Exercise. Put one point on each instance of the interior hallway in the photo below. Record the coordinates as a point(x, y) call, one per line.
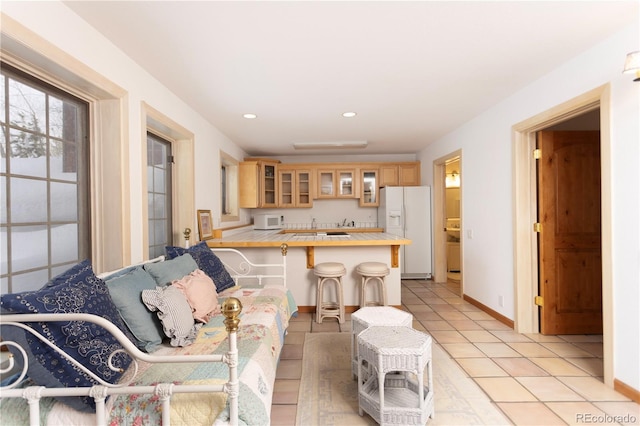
point(533, 379)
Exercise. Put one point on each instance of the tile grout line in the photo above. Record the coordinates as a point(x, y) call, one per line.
point(444, 296)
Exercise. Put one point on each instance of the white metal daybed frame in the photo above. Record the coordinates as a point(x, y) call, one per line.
point(231, 309)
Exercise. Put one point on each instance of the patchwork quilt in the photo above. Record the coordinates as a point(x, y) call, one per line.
point(263, 321)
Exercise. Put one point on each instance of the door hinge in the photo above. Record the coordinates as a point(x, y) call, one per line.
point(537, 153)
point(171, 159)
point(538, 300)
point(537, 227)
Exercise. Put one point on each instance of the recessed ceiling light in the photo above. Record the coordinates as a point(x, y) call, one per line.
point(349, 114)
point(250, 116)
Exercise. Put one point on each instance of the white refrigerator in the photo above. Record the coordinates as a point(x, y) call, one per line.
point(406, 211)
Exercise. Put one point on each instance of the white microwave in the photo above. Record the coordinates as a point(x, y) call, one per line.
point(267, 221)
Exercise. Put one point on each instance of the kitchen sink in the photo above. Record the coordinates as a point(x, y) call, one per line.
point(338, 234)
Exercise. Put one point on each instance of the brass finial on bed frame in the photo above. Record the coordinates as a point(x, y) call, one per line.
point(187, 236)
point(231, 309)
point(283, 249)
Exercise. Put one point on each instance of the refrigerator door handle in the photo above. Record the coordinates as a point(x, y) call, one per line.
point(404, 219)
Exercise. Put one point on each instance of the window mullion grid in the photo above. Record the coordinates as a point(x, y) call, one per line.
point(48, 166)
point(7, 180)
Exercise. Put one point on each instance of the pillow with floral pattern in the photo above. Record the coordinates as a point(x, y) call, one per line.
point(77, 290)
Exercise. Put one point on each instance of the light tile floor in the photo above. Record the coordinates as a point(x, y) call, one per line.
point(533, 379)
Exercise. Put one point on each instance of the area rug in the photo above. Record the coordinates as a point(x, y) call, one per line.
point(329, 394)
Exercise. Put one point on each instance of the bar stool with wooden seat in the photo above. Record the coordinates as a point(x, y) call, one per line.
point(329, 272)
point(373, 271)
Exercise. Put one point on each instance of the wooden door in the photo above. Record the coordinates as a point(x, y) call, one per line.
point(570, 261)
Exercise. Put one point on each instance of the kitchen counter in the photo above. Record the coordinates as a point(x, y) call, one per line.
point(306, 247)
point(307, 238)
point(310, 239)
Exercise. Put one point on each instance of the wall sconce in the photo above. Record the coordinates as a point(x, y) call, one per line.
point(452, 180)
point(632, 64)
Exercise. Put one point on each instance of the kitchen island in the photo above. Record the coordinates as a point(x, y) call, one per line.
point(308, 247)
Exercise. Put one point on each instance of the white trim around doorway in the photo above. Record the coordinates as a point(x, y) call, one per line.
point(524, 213)
point(440, 241)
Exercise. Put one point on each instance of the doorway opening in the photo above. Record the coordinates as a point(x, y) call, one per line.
point(448, 221)
point(527, 319)
point(452, 222)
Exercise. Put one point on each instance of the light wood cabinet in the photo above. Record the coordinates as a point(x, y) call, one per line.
point(267, 183)
point(295, 188)
point(347, 183)
point(326, 183)
point(258, 187)
point(337, 183)
point(304, 188)
point(369, 188)
point(400, 174)
point(388, 175)
point(408, 174)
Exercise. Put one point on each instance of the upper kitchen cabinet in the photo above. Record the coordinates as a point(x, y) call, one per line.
point(347, 183)
point(336, 183)
point(369, 188)
point(295, 187)
point(409, 174)
point(258, 188)
point(400, 174)
point(326, 183)
point(388, 175)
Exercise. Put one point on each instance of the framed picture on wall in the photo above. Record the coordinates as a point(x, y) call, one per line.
point(205, 225)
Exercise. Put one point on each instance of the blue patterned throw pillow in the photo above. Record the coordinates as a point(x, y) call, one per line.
point(77, 290)
point(207, 261)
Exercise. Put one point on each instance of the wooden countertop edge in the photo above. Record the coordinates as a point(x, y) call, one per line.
point(332, 243)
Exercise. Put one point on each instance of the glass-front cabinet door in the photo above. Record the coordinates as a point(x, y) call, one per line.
point(295, 188)
point(337, 183)
point(287, 188)
point(269, 185)
point(346, 183)
point(369, 188)
point(326, 184)
point(303, 187)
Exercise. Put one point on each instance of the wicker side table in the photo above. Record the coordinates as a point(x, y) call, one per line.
point(370, 316)
point(400, 397)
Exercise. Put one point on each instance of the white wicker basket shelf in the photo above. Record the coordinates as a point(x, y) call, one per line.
point(395, 392)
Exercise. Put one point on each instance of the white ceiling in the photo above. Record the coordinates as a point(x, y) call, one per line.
point(412, 71)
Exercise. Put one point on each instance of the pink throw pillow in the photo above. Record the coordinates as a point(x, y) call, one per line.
point(200, 292)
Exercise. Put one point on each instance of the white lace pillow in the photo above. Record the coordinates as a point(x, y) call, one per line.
point(174, 312)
